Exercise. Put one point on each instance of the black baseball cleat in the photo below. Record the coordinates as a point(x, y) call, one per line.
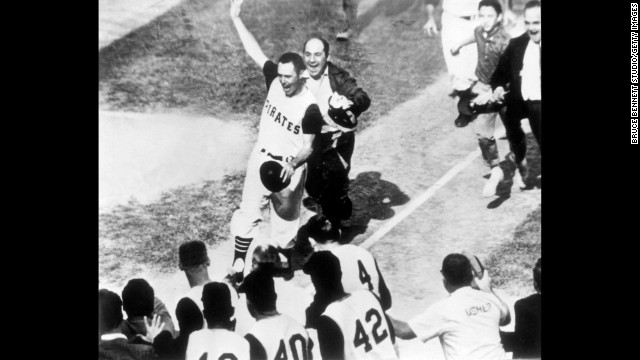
point(462, 120)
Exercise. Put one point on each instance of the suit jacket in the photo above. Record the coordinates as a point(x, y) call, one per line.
point(526, 341)
point(507, 74)
point(345, 85)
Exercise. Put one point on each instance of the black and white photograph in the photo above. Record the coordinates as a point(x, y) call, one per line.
point(319, 179)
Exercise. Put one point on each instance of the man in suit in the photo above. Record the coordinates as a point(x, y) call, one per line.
point(519, 71)
point(525, 342)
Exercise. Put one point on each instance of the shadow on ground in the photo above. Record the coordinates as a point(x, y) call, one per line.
point(372, 198)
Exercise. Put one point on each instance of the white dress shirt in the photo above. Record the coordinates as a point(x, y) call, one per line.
point(531, 72)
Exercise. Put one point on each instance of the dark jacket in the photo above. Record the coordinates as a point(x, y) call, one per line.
point(342, 83)
point(507, 73)
point(526, 341)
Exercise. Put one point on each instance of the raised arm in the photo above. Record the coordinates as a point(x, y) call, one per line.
point(430, 27)
point(249, 42)
point(484, 284)
point(402, 329)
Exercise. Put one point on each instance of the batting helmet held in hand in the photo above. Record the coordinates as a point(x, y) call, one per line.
point(270, 176)
point(340, 117)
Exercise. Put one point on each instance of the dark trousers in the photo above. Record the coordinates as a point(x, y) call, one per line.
point(328, 178)
point(517, 139)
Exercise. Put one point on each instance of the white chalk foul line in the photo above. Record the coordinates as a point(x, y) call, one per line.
point(413, 205)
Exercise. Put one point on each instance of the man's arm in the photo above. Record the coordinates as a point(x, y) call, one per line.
point(344, 84)
point(385, 294)
point(330, 339)
point(249, 42)
point(430, 27)
point(256, 350)
point(311, 125)
point(303, 155)
point(402, 329)
point(502, 75)
point(485, 285)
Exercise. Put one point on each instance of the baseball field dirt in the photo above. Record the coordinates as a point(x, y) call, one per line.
point(152, 164)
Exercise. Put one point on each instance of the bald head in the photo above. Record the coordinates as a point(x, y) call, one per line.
point(315, 54)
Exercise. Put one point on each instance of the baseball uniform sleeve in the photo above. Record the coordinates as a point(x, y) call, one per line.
point(256, 350)
point(270, 71)
point(427, 325)
point(312, 120)
point(330, 339)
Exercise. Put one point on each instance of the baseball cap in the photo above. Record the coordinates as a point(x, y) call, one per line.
point(259, 287)
point(193, 253)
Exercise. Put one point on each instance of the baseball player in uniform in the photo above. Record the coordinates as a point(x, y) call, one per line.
point(353, 326)
point(194, 261)
point(218, 341)
point(359, 268)
point(275, 335)
point(289, 122)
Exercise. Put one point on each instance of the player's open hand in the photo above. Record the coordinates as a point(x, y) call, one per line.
point(235, 7)
point(287, 171)
point(430, 27)
point(154, 327)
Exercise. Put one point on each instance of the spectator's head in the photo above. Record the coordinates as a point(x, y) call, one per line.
point(193, 256)
point(267, 258)
point(326, 274)
point(489, 13)
point(532, 20)
point(537, 276)
point(189, 316)
point(322, 230)
point(316, 53)
point(456, 270)
point(216, 299)
point(290, 67)
point(260, 291)
point(109, 312)
point(137, 298)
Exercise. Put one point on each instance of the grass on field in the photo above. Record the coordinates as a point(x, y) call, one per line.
point(150, 234)
point(511, 263)
point(191, 59)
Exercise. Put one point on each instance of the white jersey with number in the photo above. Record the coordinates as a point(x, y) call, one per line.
point(281, 336)
point(364, 328)
point(281, 120)
point(217, 344)
point(359, 270)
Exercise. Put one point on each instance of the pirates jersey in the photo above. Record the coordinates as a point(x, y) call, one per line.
point(364, 327)
point(217, 344)
point(359, 270)
point(281, 337)
point(285, 119)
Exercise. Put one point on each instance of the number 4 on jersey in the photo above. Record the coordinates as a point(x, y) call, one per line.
point(365, 278)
